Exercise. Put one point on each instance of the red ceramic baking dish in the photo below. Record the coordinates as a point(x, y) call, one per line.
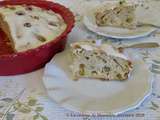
point(23, 62)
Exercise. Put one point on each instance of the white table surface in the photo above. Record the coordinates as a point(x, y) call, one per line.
point(33, 103)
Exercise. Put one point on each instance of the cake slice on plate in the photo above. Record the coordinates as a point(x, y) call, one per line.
point(28, 27)
point(98, 61)
point(120, 14)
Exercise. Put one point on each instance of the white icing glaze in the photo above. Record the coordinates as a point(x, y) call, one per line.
point(107, 48)
point(111, 51)
point(24, 37)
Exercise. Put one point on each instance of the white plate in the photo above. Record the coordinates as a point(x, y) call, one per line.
point(114, 32)
point(90, 95)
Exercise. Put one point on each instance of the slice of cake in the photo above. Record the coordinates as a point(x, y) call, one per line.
point(98, 61)
point(28, 27)
point(120, 14)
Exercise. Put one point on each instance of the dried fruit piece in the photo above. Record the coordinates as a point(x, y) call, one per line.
point(94, 72)
point(52, 23)
point(27, 24)
point(77, 46)
point(106, 69)
point(121, 49)
point(20, 13)
point(34, 17)
point(87, 58)
point(29, 8)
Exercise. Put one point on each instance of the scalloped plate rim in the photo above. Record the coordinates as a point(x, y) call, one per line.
point(129, 107)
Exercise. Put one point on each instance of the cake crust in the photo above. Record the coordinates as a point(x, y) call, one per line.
point(5, 27)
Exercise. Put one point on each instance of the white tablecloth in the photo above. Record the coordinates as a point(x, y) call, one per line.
point(23, 97)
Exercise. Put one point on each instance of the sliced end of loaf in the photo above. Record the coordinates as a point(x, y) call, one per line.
point(5, 27)
point(98, 64)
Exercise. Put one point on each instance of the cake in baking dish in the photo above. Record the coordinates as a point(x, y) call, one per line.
point(120, 14)
point(28, 27)
point(98, 61)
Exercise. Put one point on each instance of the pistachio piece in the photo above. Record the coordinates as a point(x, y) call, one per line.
point(81, 71)
point(40, 38)
point(129, 19)
point(119, 76)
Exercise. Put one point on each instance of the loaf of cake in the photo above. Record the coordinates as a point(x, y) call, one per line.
point(104, 62)
point(28, 27)
point(119, 14)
